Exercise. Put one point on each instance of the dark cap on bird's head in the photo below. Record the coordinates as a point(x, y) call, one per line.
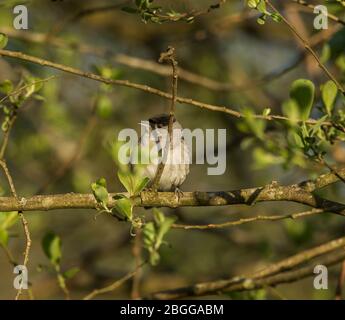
point(160, 121)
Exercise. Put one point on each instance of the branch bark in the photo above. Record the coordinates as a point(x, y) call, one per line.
point(302, 193)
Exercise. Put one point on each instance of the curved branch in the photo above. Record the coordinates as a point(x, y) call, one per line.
point(273, 275)
point(145, 88)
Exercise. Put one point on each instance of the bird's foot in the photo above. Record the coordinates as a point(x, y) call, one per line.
point(178, 193)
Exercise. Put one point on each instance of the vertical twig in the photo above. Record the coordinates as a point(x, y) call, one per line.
point(14, 193)
point(22, 218)
point(340, 284)
point(168, 56)
point(137, 251)
point(7, 136)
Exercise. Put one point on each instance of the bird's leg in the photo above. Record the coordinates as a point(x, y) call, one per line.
point(178, 193)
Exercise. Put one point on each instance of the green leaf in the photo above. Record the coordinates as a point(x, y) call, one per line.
point(70, 273)
point(3, 237)
point(149, 232)
point(3, 40)
point(276, 17)
point(124, 206)
point(8, 219)
point(163, 230)
point(298, 231)
point(154, 258)
point(325, 53)
point(261, 7)
point(99, 189)
point(317, 126)
point(35, 84)
point(253, 3)
point(6, 86)
point(154, 233)
point(140, 185)
point(262, 19)
point(302, 92)
point(158, 216)
point(266, 112)
point(51, 245)
point(104, 107)
point(329, 93)
point(297, 139)
point(263, 158)
point(126, 180)
point(340, 62)
point(163, 225)
point(290, 110)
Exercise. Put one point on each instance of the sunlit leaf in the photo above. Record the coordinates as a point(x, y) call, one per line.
point(124, 206)
point(70, 273)
point(126, 180)
point(141, 183)
point(302, 92)
point(51, 245)
point(329, 93)
point(99, 189)
point(6, 86)
point(3, 237)
point(3, 40)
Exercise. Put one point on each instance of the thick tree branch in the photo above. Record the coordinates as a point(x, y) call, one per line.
point(301, 193)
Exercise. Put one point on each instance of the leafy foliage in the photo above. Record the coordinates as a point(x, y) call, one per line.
point(51, 245)
point(260, 6)
point(7, 221)
point(3, 40)
point(154, 233)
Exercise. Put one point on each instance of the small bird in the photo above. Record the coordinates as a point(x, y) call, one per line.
point(177, 161)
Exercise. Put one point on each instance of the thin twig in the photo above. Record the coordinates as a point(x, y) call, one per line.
point(22, 218)
point(329, 15)
point(152, 66)
point(168, 56)
point(15, 195)
point(271, 276)
point(7, 134)
point(27, 247)
point(322, 160)
point(145, 88)
point(249, 220)
point(308, 48)
point(9, 178)
point(115, 284)
point(14, 92)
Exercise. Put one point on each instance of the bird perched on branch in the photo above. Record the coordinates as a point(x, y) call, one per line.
point(175, 154)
